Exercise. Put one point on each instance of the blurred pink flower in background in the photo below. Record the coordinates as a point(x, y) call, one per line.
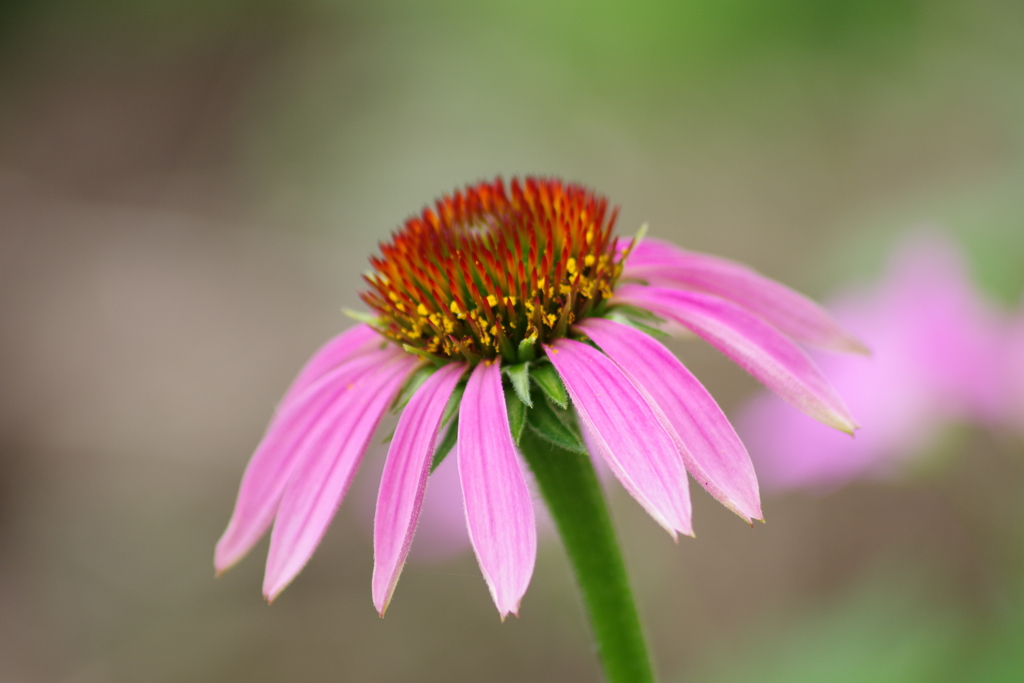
point(937, 358)
point(441, 532)
point(1015, 371)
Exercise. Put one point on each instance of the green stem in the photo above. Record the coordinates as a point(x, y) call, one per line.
point(574, 496)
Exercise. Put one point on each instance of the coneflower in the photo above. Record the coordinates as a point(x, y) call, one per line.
point(501, 315)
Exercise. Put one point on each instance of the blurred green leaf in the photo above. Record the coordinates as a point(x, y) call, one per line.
point(881, 634)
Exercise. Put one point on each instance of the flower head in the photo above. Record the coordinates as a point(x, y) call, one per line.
point(487, 269)
point(511, 307)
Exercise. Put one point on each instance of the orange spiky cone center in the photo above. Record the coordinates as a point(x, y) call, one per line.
point(487, 268)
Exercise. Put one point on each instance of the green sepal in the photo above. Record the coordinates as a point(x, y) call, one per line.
point(640, 234)
point(446, 445)
point(527, 350)
point(411, 386)
point(451, 435)
point(556, 426)
point(519, 374)
point(368, 318)
point(636, 324)
point(516, 414)
point(548, 380)
point(387, 439)
point(454, 401)
point(425, 355)
point(637, 313)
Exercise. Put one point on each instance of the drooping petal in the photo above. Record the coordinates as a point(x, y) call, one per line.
point(318, 485)
point(299, 427)
point(752, 343)
point(641, 454)
point(664, 264)
point(351, 343)
point(499, 511)
point(405, 479)
point(712, 451)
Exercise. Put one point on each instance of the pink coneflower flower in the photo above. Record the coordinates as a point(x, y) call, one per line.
point(935, 361)
point(505, 306)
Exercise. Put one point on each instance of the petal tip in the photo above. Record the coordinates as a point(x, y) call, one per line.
point(503, 612)
point(223, 557)
point(841, 421)
point(381, 601)
point(272, 590)
point(854, 345)
point(222, 564)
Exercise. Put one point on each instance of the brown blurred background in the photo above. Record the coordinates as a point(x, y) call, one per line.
point(188, 193)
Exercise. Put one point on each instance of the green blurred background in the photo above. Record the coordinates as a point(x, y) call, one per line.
point(188, 193)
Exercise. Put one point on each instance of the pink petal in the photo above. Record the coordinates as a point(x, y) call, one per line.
point(712, 451)
point(499, 511)
point(315, 491)
point(405, 479)
point(753, 344)
point(627, 432)
point(664, 264)
point(353, 342)
point(297, 429)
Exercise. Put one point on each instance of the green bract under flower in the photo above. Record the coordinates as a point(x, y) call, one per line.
point(489, 269)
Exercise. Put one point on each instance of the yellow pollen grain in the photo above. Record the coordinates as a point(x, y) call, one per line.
point(400, 307)
point(511, 300)
point(588, 260)
point(570, 266)
point(422, 310)
point(492, 300)
point(392, 296)
point(551, 319)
